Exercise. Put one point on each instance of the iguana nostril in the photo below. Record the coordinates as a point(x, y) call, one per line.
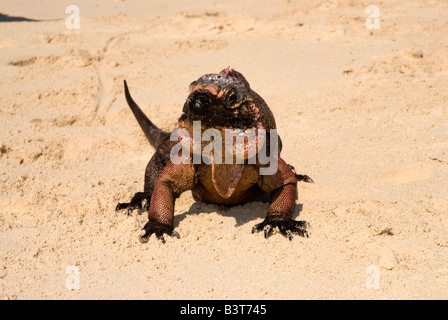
point(200, 103)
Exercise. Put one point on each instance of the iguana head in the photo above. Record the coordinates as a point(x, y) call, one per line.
point(223, 101)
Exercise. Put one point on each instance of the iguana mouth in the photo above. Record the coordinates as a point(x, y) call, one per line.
point(241, 143)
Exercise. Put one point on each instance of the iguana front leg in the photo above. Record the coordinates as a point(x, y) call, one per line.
point(283, 188)
point(172, 181)
point(154, 167)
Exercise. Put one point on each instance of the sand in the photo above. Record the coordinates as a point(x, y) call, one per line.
point(362, 112)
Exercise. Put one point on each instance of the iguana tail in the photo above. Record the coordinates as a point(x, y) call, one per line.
point(154, 135)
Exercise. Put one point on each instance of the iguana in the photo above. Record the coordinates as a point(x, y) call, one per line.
point(222, 102)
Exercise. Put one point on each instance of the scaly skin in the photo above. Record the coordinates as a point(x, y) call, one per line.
point(219, 101)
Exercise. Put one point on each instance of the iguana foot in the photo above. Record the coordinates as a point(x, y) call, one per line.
point(304, 178)
point(139, 201)
point(159, 229)
point(301, 177)
point(286, 227)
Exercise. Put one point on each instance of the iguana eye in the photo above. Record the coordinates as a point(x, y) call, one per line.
point(231, 98)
